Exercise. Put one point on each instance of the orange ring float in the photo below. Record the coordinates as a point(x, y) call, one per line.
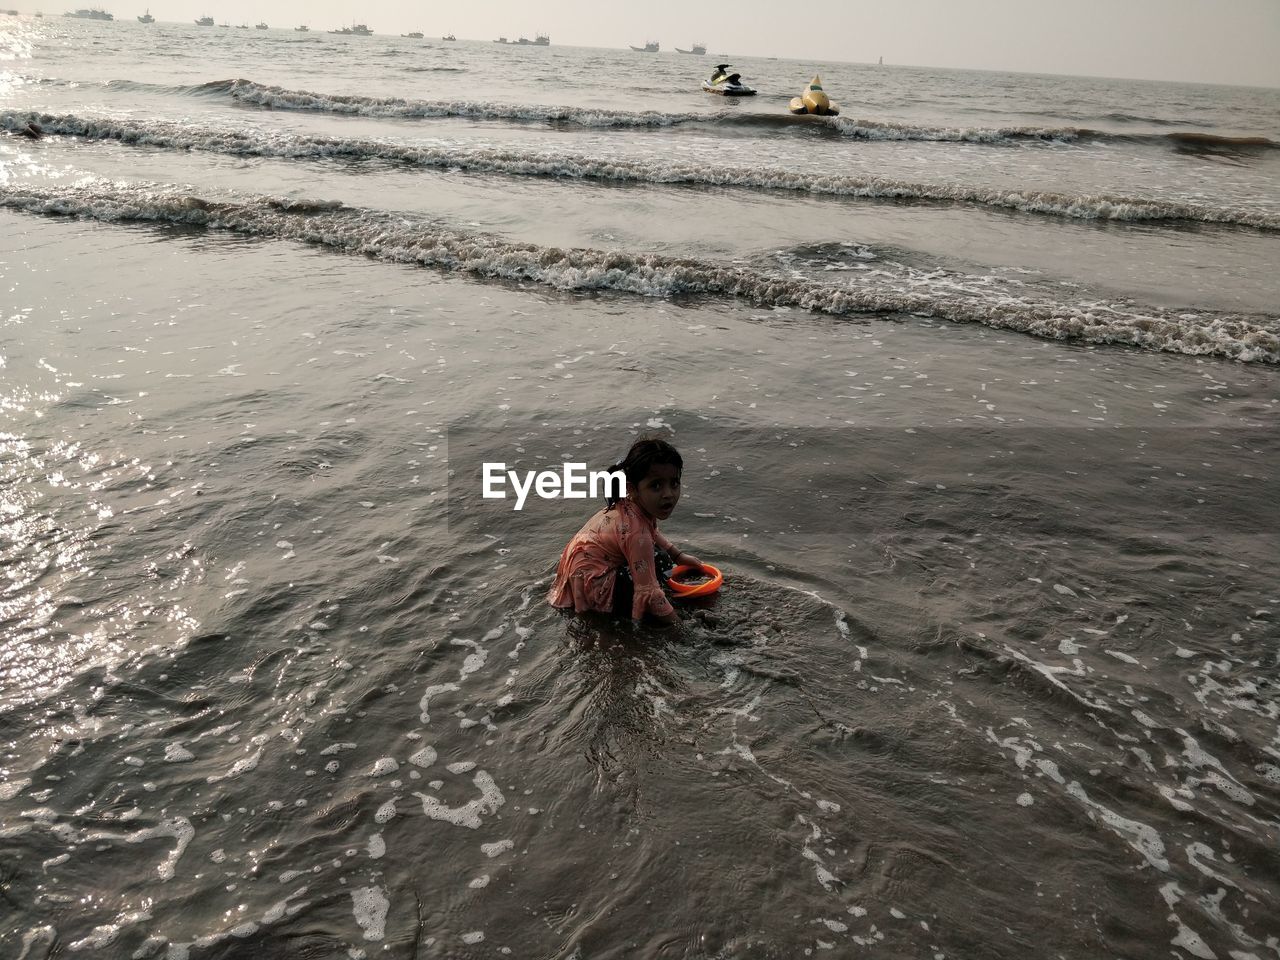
point(695, 589)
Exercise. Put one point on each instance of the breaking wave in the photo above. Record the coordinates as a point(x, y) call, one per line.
point(394, 238)
point(245, 142)
point(280, 98)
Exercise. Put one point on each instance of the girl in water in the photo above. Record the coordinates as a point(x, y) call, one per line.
point(612, 564)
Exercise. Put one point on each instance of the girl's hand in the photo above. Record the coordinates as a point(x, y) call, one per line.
point(689, 560)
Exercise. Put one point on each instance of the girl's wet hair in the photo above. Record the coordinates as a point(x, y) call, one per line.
point(645, 453)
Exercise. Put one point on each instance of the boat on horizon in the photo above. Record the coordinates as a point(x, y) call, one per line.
point(649, 47)
point(93, 13)
point(205, 22)
point(147, 17)
point(502, 40)
point(542, 40)
point(416, 35)
point(449, 37)
point(355, 30)
point(698, 50)
point(302, 29)
point(261, 26)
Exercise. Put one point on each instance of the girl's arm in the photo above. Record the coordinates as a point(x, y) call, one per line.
point(637, 546)
point(677, 556)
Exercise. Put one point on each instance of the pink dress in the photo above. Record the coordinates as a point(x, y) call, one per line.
point(588, 570)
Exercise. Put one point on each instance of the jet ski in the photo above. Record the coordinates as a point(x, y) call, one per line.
point(814, 101)
point(727, 84)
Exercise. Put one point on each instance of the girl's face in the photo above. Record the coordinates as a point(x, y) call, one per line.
point(659, 492)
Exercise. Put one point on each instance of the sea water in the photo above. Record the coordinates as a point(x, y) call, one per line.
point(976, 389)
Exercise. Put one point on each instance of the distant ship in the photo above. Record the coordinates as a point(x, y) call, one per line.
point(302, 29)
point(355, 30)
point(502, 40)
point(91, 14)
point(412, 36)
point(147, 17)
point(699, 49)
point(205, 22)
point(449, 37)
point(261, 26)
point(542, 40)
point(650, 47)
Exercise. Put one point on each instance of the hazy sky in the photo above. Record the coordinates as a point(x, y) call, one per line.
point(1212, 41)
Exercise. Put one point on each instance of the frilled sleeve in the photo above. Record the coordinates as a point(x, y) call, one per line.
point(637, 546)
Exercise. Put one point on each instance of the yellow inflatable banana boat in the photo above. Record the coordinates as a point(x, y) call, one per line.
point(814, 101)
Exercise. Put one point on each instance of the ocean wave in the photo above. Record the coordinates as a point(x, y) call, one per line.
point(394, 238)
point(848, 128)
point(280, 98)
point(246, 142)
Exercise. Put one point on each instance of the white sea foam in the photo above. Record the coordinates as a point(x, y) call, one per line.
point(11, 788)
point(1190, 941)
point(283, 908)
point(1141, 837)
point(1122, 656)
point(240, 766)
point(101, 936)
point(424, 757)
point(468, 815)
point(370, 905)
point(1052, 674)
point(180, 829)
point(430, 692)
point(473, 661)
